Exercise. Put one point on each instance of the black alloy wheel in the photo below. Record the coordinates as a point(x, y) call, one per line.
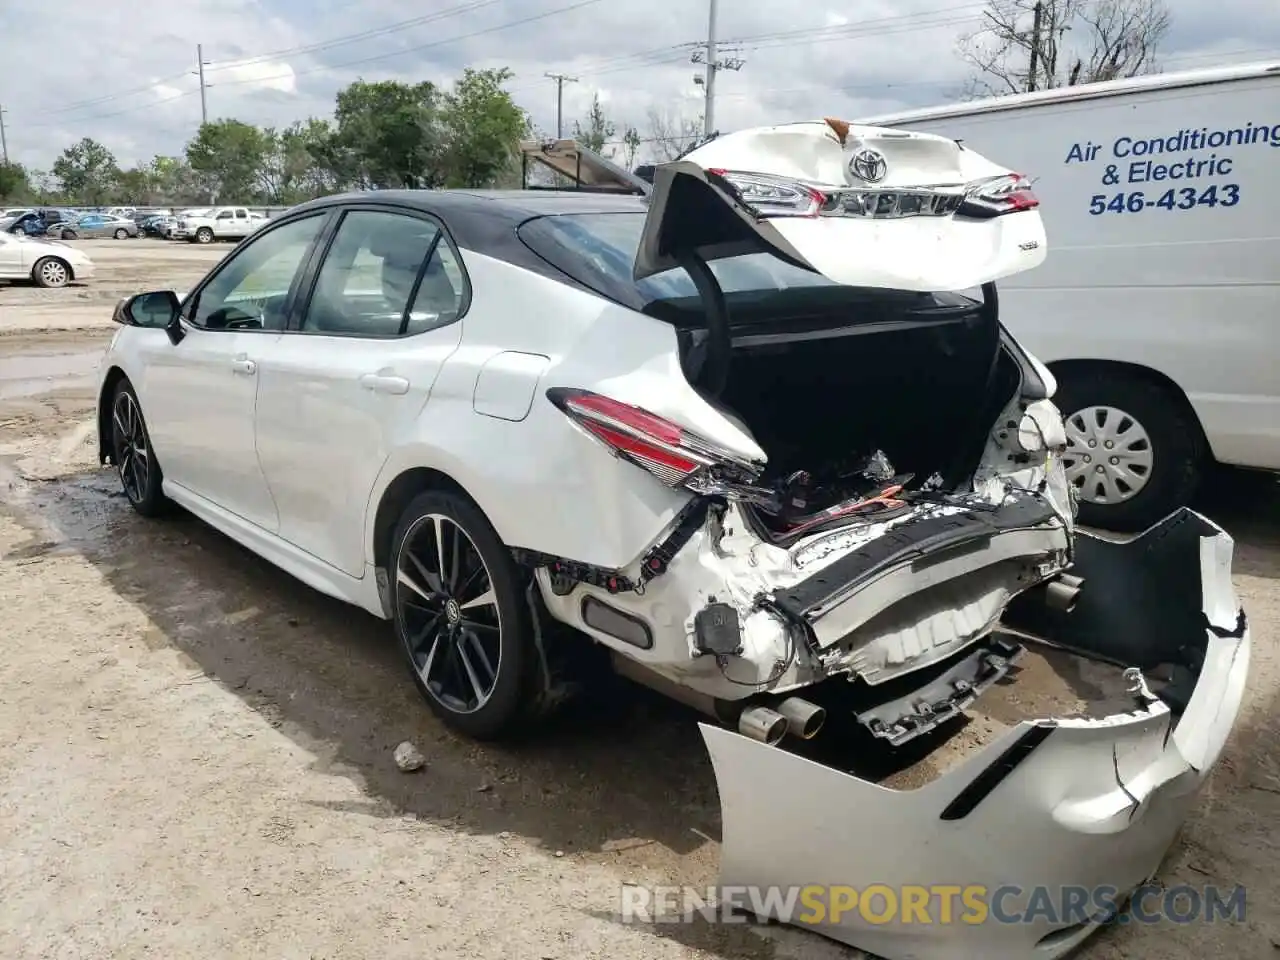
point(461, 616)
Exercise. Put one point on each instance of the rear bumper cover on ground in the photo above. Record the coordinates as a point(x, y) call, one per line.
point(1053, 803)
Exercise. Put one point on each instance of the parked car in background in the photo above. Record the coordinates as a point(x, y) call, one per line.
point(1157, 312)
point(153, 225)
point(218, 223)
point(29, 223)
point(94, 225)
point(44, 262)
point(14, 212)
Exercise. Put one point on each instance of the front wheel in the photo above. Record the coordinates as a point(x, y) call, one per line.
point(67, 235)
point(51, 272)
point(1134, 454)
point(204, 235)
point(461, 617)
point(131, 451)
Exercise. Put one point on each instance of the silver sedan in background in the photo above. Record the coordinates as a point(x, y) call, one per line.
point(92, 225)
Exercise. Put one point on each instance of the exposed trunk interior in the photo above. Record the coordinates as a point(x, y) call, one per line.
point(826, 377)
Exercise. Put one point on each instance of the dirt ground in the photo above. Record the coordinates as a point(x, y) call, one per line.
point(197, 750)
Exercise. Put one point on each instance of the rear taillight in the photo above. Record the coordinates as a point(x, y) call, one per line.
point(670, 452)
point(999, 195)
point(774, 196)
point(770, 196)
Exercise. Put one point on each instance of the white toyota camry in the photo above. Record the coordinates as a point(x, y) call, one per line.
point(759, 434)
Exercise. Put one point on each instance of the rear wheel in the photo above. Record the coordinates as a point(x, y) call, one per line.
point(122, 234)
point(461, 617)
point(51, 272)
point(68, 235)
point(1134, 453)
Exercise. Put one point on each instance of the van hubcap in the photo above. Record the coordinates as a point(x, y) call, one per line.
point(1108, 457)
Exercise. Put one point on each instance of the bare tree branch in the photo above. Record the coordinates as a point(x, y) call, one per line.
point(670, 135)
point(1079, 41)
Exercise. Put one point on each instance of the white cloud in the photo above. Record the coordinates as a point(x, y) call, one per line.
point(125, 73)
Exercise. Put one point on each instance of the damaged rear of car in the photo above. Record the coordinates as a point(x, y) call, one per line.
point(876, 543)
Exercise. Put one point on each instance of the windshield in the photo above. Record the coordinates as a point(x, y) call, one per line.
point(599, 250)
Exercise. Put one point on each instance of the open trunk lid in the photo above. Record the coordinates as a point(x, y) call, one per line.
point(863, 206)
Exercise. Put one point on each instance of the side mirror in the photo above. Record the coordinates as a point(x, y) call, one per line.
point(156, 309)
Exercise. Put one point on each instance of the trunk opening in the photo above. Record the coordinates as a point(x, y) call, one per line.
point(848, 390)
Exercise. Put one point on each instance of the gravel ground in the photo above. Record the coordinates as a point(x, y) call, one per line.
point(199, 750)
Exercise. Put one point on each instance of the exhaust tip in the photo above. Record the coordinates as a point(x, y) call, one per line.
point(804, 719)
point(762, 724)
point(1062, 593)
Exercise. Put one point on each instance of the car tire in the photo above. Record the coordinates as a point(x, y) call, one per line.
point(1157, 442)
point(122, 234)
point(67, 235)
point(204, 235)
point(51, 272)
point(469, 645)
point(140, 475)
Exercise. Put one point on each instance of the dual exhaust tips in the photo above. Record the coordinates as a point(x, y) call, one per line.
point(794, 716)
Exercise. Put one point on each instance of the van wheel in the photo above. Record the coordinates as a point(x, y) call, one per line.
point(1134, 454)
point(461, 617)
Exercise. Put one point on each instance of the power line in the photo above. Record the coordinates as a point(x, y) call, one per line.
point(396, 27)
point(338, 66)
point(424, 46)
point(346, 39)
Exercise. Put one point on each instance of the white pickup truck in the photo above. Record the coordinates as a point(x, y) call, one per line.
point(217, 223)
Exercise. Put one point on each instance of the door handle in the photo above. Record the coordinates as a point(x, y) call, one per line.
point(243, 365)
point(384, 383)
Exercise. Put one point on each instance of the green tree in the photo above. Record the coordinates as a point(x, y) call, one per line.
point(174, 182)
point(481, 127)
point(134, 186)
point(86, 172)
point(295, 168)
point(228, 156)
point(387, 135)
point(598, 129)
point(15, 185)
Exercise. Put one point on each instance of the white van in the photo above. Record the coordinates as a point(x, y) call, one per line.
point(1158, 308)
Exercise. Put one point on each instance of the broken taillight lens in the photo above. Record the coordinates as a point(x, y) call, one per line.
point(998, 195)
point(668, 451)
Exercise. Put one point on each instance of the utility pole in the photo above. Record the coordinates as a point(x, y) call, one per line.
point(4, 142)
point(204, 106)
point(709, 109)
point(560, 79)
point(1035, 47)
point(714, 63)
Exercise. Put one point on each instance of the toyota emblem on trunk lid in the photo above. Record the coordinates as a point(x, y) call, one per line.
point(868, 165)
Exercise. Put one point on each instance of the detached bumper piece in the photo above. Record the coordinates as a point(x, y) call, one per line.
point(1089, 801)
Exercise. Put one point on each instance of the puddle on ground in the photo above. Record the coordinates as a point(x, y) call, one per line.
point(31, 374)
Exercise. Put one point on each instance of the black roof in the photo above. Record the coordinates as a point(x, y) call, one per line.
point(514, 205)
point(485, 221)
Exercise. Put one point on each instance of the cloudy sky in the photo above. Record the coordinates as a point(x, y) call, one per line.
point(123, 71)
